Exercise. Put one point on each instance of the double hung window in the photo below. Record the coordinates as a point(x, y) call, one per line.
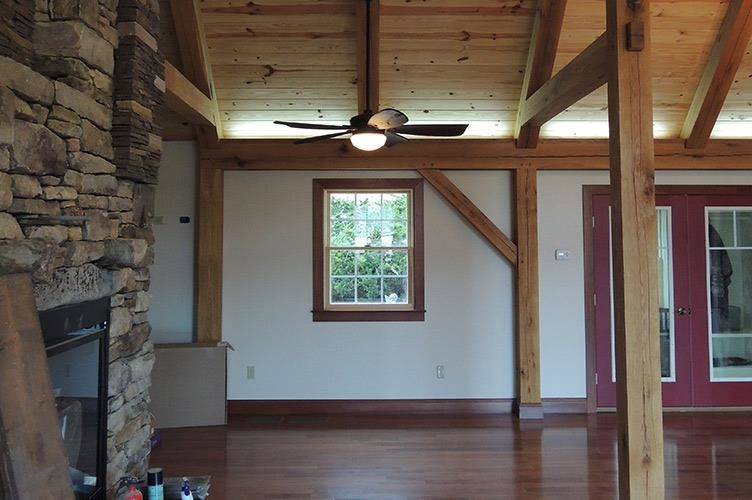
point(368, 250)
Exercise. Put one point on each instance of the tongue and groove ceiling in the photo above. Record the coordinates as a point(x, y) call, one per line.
point(449, 61)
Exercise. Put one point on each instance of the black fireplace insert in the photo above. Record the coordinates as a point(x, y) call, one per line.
point(76, 338)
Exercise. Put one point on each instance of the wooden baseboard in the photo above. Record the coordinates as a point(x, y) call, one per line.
point(378, 407)
point(689, 409)
point(564, 405)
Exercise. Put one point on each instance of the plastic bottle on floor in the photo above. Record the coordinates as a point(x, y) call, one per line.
point(185, 491)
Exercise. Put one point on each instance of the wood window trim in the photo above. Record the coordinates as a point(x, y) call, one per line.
point(417, 312)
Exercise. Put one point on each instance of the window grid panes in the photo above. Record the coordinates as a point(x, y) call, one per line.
point(729, 254)
point(369, 248)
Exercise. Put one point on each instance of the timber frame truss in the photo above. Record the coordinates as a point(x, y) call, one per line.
point(620, 57)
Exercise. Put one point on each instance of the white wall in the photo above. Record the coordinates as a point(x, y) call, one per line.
point(267, 301)
point(562, 318)
point(171, 313)
point(469, 290)
point(562, 310)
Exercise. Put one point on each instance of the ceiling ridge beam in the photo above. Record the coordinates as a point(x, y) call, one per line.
point(367, 14)
point(587, 72)
point(185, 99)
point(469, 154)
point(544, 42)
point(723, 63)
point(474, 215)
point(194, 58)
point(432, 150)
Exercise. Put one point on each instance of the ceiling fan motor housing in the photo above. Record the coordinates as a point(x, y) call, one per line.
point(361, 121)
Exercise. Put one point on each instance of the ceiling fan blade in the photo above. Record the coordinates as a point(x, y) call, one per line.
point(387, 118)
point(313, 126)
point(393, 139)
point(318, 138)
point(436, 130)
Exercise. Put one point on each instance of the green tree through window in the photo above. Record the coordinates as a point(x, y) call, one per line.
point(368, 250)
point(369, 247)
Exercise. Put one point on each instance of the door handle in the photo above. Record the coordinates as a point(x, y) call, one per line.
point(684, 311)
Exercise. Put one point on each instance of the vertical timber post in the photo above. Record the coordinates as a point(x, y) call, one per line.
point(209, 253)
point(527, 324)
point(632, 162)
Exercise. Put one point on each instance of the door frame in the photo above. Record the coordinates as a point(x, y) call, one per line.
point(588, 191)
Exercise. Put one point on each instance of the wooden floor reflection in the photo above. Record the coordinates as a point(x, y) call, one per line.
point(566, 457)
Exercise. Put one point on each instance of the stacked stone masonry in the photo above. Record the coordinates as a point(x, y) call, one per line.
point(77, 168)
point(139, 93)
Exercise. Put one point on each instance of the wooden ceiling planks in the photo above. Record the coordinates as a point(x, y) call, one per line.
point(682, 32)
point(440, 60)
point(738, 105)
point(450, 61)
point(720, 70)
point(281, 60)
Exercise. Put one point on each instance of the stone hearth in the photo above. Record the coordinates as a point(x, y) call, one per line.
point(80, 81)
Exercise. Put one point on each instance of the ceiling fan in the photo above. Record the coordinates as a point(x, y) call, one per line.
point(370, 131)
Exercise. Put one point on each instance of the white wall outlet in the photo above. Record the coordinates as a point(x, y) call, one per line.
point(562, 254)
point(440, 371)
point(250, 372)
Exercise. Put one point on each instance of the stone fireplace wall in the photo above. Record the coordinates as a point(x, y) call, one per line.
point(80, 81)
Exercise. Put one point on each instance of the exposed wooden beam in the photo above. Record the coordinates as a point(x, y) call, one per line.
point(32, 459)
point(635, 277)
point(185, 16)
point(193, 55)
point(182, 97)
point(467, 154)
point(209, 253)
point(720, 71)
point(583, 75)
point(367, 14)
point(544, 42)
point(472, 214)
point(527, 324)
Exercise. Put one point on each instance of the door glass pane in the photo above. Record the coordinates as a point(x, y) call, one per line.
point(744, 228)
point(722, 223)
point(665, 299)
point(665, 293)
point(730, 293)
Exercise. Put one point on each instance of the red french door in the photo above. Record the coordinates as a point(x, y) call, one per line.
point(720, 252)
point(674, 309)
point(704, 260)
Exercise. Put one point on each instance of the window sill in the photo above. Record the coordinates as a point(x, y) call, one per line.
point(368, 315)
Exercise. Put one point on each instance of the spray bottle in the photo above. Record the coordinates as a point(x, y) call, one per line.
point(185, 491)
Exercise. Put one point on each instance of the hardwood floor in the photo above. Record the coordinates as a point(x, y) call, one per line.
point(707, 455)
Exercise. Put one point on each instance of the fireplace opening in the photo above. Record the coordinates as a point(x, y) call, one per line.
point(76, 339)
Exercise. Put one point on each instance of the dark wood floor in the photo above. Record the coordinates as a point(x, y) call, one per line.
point(567, 457)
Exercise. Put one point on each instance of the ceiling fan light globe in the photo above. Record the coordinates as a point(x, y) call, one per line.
point(368, 141)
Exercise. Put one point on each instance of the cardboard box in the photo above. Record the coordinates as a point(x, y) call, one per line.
point(189, 385)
